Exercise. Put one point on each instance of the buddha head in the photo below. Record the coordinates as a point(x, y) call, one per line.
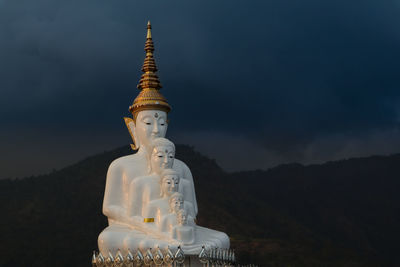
point(147, 126)
point(150, 107)
point(162, 156)
point(169, 183)
point(181, 217)
point(176, 202)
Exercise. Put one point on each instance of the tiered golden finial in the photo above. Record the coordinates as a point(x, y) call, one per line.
point(149, 84)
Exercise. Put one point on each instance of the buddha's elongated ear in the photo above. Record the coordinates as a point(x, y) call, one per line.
point(130, 124)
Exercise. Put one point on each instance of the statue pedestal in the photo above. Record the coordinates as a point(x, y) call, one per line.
point(193, 261)
point(213, 257)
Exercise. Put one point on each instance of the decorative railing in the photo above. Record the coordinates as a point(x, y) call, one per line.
point(214, 257)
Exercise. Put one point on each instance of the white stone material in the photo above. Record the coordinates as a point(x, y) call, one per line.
point(150, 199)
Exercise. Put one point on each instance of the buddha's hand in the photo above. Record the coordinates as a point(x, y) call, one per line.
point(135, 220)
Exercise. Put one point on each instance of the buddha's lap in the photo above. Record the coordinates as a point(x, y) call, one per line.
point(118, 236)
point(123, 237)
point(114, 235)
point(206, 235)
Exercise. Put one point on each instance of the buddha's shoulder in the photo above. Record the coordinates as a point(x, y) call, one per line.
point(178, 164)
point(156, 202)
point(124, 162)
point(146, 179)
point(183, 169)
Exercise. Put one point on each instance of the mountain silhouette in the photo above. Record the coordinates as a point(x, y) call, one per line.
point(342, 213)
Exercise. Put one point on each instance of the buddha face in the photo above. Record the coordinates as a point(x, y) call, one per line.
point(169, 185)
point(182, 217)
point(150, 124)
point(162, 158)
point(176, 204)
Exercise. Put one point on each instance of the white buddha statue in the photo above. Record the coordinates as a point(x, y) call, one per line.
point(159, 207)
point(134, 181)
point(146, 188)
point(182, 231)
point(170, 219)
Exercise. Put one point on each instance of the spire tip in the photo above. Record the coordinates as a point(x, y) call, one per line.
point(148, 30)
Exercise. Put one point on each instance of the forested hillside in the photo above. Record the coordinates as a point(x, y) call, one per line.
point(343, 213)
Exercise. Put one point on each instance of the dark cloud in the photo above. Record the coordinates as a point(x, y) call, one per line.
point(286, 77)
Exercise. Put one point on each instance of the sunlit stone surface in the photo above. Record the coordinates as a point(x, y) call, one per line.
point(150, 199)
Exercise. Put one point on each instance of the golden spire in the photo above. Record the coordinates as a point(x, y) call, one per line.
point(148, 30)
point(149, 84)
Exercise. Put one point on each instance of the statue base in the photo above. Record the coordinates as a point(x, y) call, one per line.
point(166, 258)
point(117, 236)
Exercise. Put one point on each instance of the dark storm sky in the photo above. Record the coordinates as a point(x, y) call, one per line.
point(252, 83)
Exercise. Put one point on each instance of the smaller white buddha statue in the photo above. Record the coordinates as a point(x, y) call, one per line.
point(176, 203)
point(170, 183)
point(159, 207)
point(182, 231)
point(143, 189)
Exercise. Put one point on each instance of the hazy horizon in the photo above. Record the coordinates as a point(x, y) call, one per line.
point(221, 163)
